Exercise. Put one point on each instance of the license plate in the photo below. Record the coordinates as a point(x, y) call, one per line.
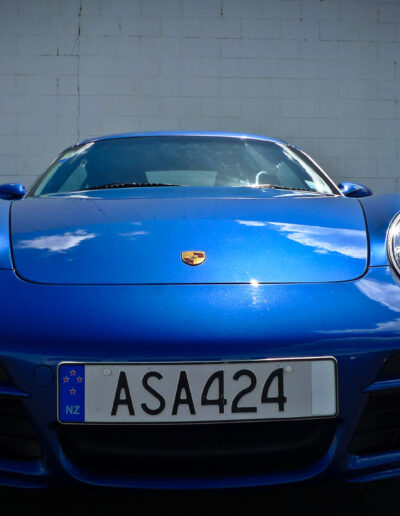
point(197, 391)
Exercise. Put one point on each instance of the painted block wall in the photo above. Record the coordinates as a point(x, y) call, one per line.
point(323, 74)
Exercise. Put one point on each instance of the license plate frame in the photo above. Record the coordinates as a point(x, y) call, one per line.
point(189, 364)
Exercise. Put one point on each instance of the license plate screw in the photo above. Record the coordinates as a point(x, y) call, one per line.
point(107, 372)
point(288, 369)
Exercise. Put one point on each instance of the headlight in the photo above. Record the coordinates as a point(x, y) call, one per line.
point(393, 244)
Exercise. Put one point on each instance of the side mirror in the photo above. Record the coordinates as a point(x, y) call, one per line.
point(354, 190)
point(12, 190)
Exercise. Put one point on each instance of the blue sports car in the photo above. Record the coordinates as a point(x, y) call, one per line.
point(197, 310)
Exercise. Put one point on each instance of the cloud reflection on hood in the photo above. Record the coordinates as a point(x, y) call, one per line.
point(132, 235)
point(252, 223)
point(384, 293)
point(350, 242)
point(324, 240)
point(57, 243)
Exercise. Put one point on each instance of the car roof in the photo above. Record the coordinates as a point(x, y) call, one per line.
point(182, 133)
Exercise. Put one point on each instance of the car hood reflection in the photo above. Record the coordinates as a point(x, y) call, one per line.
point(349, 242)
point(140, 240)
point(56, 243)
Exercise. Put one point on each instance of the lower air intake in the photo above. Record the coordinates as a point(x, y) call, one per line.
point(391, 367)
point(378, 430)
point(17, 437)
point(197, 450)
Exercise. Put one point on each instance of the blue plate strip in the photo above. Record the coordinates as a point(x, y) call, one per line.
point(71, 379)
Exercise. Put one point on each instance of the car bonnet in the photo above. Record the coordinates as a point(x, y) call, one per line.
point(137, 236)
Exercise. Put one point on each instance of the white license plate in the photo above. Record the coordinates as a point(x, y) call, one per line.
point(197, 391)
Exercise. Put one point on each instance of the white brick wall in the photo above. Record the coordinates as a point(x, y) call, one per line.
point(324, 74)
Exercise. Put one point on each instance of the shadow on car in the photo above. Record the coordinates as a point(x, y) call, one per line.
point(317, 498)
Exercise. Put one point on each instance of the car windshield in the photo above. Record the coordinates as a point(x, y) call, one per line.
point(182, 161)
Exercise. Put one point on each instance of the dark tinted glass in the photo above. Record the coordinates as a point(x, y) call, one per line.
point(181, 160)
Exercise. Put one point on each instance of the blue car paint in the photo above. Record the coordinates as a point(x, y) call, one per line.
point(354, 190)
point(264, 236)
point(355, 321)
point(5, 250)
point(12, 191)
point(198, 322)
point(379, 211)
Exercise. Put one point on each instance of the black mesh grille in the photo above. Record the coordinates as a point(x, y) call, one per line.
point(17, 437)
point(197, 450)
point(4, 376)
point(391, 367)
point(378, 430)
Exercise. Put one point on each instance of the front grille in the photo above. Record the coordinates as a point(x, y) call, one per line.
point(391, 367)
point(199, 449)
point(4, 376)
point(378, 430)
point(17, 437)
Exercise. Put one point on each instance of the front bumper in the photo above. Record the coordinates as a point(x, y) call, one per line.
point(357, 322)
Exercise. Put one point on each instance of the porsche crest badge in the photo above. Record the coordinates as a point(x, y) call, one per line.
point(193, 257)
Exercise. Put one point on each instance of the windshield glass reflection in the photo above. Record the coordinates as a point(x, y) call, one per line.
point(182, 161)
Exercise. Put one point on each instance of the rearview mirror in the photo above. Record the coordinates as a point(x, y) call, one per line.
point(12, 190)
point(354, 190)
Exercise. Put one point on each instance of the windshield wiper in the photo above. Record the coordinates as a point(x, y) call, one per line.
point(149, 185)
point(277, 187)
point(126, 185)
